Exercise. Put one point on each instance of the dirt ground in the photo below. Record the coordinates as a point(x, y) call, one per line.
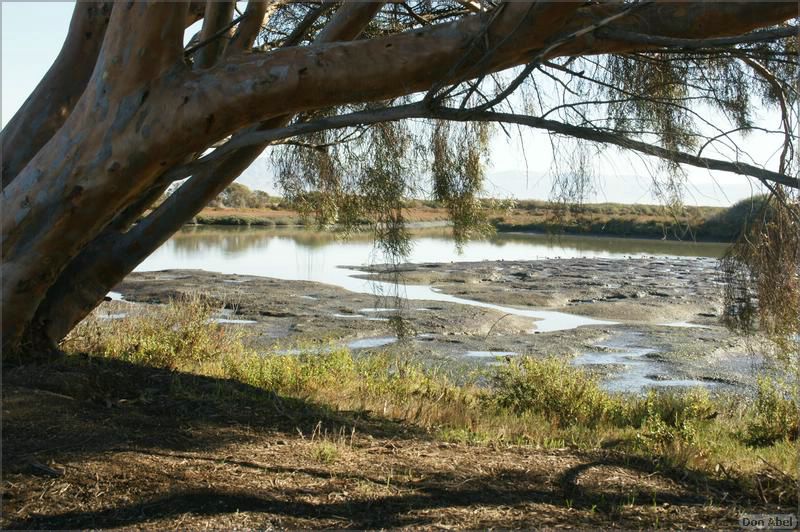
point(102, 444)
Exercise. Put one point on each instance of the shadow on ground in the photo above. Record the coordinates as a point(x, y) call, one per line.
point(83, 404)
point(103, 444)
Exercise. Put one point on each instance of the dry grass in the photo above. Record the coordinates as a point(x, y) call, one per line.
point(191, 452)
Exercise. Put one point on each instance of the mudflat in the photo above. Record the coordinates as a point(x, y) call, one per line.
point(663, 312)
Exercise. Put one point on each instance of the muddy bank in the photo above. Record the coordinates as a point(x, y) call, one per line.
point(665, 330)
point(640, 290)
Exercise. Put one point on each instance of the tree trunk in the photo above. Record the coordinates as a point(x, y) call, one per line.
point(112, 256)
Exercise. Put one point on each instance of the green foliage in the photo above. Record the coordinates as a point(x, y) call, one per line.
point(238, 196)
point(459, 154)
point(551, 387)
point(673, 409)
point(672, 424)
point(762, 274)
point(775, 416)
point(325, 452)
point(177, 335)
point(543, 402)
point(298, 376)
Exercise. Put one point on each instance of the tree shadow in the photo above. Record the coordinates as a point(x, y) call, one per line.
point(87, 405)
point(420, 504)
point(82, 410)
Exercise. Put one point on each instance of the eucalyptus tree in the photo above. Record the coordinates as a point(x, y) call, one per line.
point(361, 98)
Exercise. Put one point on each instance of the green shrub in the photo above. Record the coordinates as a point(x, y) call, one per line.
point(673, 409)
point(775, 414)
point(178, 335)
point(553, 388)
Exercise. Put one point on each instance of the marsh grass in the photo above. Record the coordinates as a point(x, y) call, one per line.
point(544, 403)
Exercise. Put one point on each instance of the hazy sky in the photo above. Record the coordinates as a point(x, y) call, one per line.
point(29, 49)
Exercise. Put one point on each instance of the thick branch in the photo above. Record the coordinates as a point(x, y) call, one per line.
point(54, 217)
point(250, 26)
point(348, 23)
point(216, 25)
point(46, 109)
point(382, 68)
point(112, 255)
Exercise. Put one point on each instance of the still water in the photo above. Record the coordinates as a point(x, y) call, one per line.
point(297, 254)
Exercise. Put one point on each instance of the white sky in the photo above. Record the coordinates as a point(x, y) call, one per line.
point(28, 50)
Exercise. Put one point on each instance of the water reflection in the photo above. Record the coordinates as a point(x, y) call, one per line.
point(299, 254)
point(296, 253)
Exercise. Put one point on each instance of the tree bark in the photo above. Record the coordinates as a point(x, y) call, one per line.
point(249, 28)
point(112, 256)
point(48, 107)
point(71, 189)
point(218, 14)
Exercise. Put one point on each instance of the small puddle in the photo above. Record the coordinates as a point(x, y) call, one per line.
point(487, 354)
point(685, 324)
point(366, 343)
point(114, 296)
point(638, 372)
point(232, 321)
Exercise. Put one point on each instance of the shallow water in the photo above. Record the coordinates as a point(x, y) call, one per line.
point(636, 372)
point(368, 343)
point(296, 254)
point(232, 321)
point(686, 324)
point(489, 354)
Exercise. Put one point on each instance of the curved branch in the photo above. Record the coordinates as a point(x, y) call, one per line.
point(770, 78)
point(420, 110)
point(605, 137)
point(48, 107)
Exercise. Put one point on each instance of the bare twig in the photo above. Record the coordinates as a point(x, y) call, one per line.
point(192, 49)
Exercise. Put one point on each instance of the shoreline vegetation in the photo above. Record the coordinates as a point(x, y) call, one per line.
point(243, 207)
point(537, 437)
point(162, 418)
